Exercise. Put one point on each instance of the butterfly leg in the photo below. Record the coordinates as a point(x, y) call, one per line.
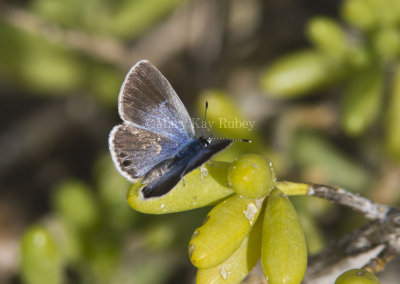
point(202, 172)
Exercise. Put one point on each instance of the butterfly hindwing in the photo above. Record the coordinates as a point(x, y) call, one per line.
point(136, 151)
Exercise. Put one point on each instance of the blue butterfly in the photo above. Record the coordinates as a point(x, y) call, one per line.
point(156, 141)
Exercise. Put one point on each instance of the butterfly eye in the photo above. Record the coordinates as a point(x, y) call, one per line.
point(207, 141)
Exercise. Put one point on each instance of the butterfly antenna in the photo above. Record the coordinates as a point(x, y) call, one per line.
point(232, 139)
point(219, 138)
point(205, 117)
point(205, 111)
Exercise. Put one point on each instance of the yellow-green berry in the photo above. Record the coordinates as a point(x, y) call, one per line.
point(252, 176)
point(357, 276)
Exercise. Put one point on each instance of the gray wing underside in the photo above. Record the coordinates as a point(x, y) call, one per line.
point(136, 151)
point(148, 101)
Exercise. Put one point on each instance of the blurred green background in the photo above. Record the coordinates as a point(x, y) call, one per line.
point(321, 79)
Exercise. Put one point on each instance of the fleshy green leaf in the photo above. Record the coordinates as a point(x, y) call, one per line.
point(75, 203)
point(194, 194)
point(223, 231)
point(393, 118)
point(312, 151)
point(239, 264)
point(359, 13)
point(40, 259)
point(300, 73)
point(386, 43)
point(362, 101)
point(284, 250)
point(327, 35)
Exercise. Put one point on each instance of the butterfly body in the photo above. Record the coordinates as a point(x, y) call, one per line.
point(195, 155)
point(156, 142)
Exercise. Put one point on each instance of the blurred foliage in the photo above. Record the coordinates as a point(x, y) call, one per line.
point(122, 18)
point(360, 53)
point(311, 151)
point(92, 235)
point(41, 262)
point(47, 68)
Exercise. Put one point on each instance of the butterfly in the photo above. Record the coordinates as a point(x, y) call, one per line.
point(156, 141)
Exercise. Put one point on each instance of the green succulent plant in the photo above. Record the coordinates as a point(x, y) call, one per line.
point(362, 53)
point(252, 218)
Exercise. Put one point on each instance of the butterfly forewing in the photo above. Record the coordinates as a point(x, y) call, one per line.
point(148, 101)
